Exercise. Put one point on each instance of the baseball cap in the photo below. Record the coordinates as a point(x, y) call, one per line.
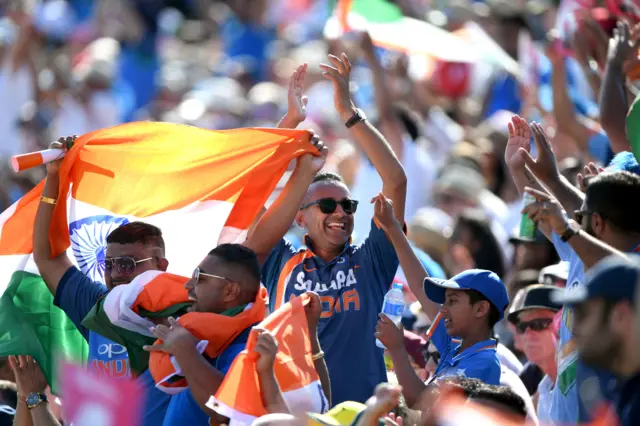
point(537, 296)
point(613, 278)
point(484, 282)
point(342, 414)
point(552, 273)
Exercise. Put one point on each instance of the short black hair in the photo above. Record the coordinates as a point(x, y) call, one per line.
point(244, 260)
point(8, 393)
point(475, 297)
point(503, 395)
point(616, 197)
point(137, 232)
point(328, 177)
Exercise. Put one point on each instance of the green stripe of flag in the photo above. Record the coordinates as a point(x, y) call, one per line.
point(378, 11)
point(31, 325)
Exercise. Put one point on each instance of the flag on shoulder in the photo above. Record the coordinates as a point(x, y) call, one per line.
point(200, 187)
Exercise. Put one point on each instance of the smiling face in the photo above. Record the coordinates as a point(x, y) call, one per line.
point(539, 345)
point(215, 290)
point(128, 262)
point(457, 312)
point(329, 231)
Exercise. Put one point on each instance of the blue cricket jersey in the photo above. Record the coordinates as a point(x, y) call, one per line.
point(76, 295)
point(479, 361)
point(352, 288)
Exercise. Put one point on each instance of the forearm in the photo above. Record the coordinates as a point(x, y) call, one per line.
point(42, 416)
point(271, 394)
point(41, 245)
point(376, 148)
point(23, 417)
point(569, 196)
point(287, 123)
point(412, 385)
point(613, 107)
point(564, 110)
point(591, 250)
point(204, 380)
point(275, 222)
point(413, 269)
point(321, 367)
point(523, 178)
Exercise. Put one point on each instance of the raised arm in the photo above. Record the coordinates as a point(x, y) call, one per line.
point(51, 269)
point(370, 140)
point(270, 392)
point(297, 103)
point(275, 222)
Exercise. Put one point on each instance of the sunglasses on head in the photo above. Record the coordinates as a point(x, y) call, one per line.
point(125, 265)
point(329, 205)
point(535, 325)
point(197, 274)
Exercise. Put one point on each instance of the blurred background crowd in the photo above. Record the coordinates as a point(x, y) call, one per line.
point(442, 89)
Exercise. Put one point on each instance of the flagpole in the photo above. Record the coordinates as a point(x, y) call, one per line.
point(34, 159)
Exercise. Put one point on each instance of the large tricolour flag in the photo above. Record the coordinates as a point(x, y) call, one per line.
point(200, 187)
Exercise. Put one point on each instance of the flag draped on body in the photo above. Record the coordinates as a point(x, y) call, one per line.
point(200, 187)
point(239, 396)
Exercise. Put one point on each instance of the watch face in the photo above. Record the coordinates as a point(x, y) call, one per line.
point(33, 399)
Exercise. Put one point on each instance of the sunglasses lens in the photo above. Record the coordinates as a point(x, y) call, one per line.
point(327, 205)
point(539, 325)
point(125, 265)
point(349, 206)
point(522, 328)
point(196, 274)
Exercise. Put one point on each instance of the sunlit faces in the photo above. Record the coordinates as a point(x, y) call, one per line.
point(124, 262)
point(537, 335)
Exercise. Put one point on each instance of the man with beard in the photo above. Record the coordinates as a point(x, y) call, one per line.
point(605, 223)
point(603, 316)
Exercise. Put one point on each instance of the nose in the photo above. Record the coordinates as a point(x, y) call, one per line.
point(189, 285)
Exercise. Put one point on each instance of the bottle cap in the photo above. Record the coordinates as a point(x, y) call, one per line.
point(398, 286)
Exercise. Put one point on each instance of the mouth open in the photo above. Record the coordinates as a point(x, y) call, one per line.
point(336, 227)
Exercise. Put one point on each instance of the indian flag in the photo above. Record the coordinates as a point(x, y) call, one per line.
point(200, 187)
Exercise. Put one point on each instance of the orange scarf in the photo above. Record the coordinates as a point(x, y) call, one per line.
point(215, 332)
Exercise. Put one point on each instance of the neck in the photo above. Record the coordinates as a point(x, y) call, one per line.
point(625, 243)
point(629, 361)
point(326, 254)
point(469, 341)
point(549, 367)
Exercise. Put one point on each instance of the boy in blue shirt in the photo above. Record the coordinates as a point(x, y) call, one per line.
point(465, 307)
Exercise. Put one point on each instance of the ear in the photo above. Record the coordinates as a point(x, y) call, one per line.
point(482, 309)
point(598, 224)
point(622, 315)
point(300, 219)
point(231, 292)
point(163, 264)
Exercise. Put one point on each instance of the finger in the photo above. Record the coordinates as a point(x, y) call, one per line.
point(160, 332)
point(302, 74)
point(592, 169)
point(580, 182)
point(347, 62)
point(383, 318)
point(22, 361)
point(527, 158)
point(56, 145)
point(154, 348)
point(13, 363)
point(338, 64)
point(511, 130)
point(329, 69)
point(173, 322)
point(305, 100)
point(540, 196)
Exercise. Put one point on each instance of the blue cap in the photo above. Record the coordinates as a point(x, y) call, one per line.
point(484, 282)
point(613, 278)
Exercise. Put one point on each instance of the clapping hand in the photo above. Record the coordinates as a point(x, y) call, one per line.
point(174, 338)
point(339, 72)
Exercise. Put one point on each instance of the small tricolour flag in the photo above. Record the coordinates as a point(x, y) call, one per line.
point(239, 396)
point(200, 187)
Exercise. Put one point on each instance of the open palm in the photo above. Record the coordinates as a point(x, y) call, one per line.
point(519, 141)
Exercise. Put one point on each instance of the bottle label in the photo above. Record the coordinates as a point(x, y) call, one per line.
point(392, 309)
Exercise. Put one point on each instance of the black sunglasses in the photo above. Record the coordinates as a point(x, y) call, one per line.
point(535, 325)
point(197, 273)
point(329, 205)
point(125, 265)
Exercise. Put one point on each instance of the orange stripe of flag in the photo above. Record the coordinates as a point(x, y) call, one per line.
point(17, 231)
point(141, 169)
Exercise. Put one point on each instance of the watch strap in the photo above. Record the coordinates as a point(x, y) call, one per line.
point(357, 117)
point(569, 233)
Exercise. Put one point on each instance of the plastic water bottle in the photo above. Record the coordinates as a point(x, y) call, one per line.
point(393, 307)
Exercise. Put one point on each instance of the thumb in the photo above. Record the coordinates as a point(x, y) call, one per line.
point(526, 157)
point(305, 100)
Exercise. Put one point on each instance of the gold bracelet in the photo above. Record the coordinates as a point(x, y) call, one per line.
point(318, 356)
point(48, 200)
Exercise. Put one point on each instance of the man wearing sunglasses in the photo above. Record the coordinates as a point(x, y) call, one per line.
point(350, 280)
point(532, 313)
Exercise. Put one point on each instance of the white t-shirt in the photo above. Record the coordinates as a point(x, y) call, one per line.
point(421, 173)
point(508, 359)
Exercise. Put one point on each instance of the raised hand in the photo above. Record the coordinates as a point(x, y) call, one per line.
point(384, 399)
point(267, 348)
point(313, 163)
point(297, 111)
point(519, 142)
point(64, 143)
point(622, 44)
point(388, 333)
point(174, 338)
point(545, 166)
point(547, 210)
point(589, 171)
point(383, 211)
point(29, 377)
point(338, 72)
